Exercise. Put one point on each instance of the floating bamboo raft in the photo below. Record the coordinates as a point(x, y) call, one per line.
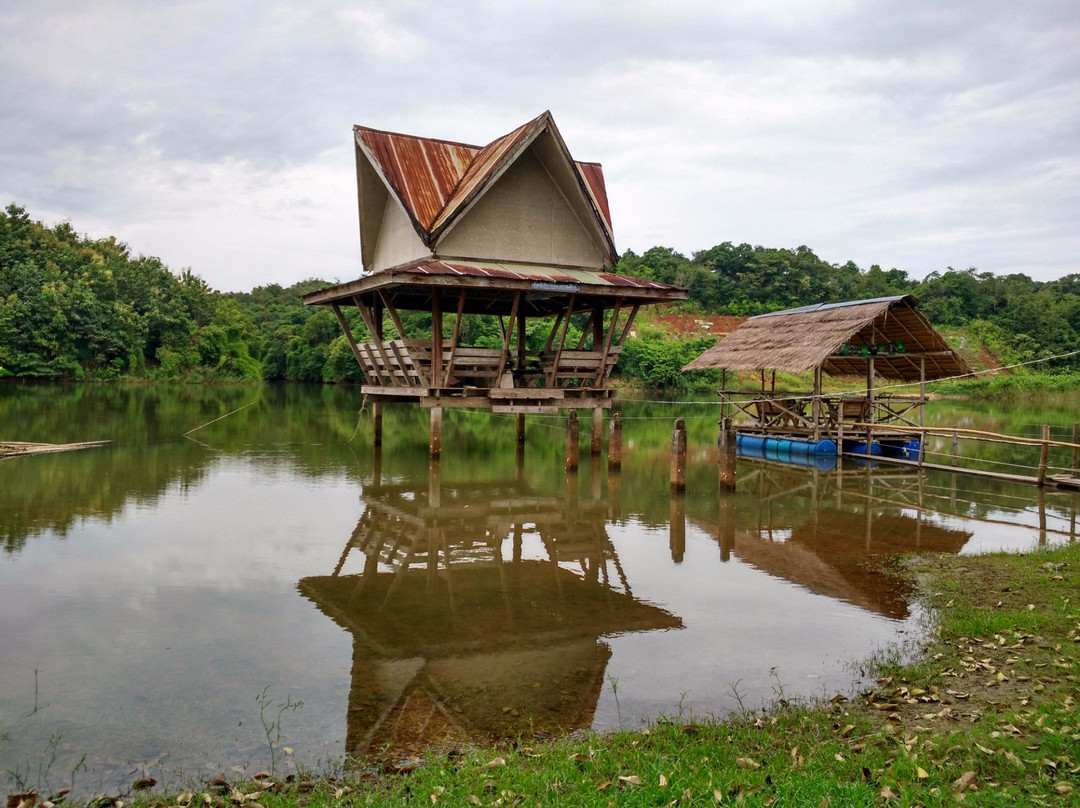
point(19, 449)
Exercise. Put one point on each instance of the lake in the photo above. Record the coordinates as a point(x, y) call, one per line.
point(271, 591)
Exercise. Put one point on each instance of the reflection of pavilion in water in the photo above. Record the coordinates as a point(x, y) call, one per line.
point(819, 530)
point(478, 614)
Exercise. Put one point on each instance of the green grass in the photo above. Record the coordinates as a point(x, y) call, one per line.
point(986, 715)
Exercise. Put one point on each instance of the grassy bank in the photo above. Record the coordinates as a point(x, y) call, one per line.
point(986, 715)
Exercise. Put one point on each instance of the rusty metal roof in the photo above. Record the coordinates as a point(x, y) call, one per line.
point(435, 180)
point(492, 286)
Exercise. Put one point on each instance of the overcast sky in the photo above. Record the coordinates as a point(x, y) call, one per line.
point(917, 134)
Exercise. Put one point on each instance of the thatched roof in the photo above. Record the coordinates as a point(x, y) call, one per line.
point(798, 340)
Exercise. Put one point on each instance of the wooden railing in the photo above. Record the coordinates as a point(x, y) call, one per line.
point(407, 364)
point(782, 411)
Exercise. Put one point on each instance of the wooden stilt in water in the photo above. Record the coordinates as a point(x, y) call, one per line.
point(435, 446)
point(677, 540)
point(1044, 454)
point(614, 446)
point(727, 455)
point(376, 420)
point(572, 441)
point(596, 479)
point(678, 455)
point(1076, 452)
point(1041, 498)
point(521, 428)
point(597, 435)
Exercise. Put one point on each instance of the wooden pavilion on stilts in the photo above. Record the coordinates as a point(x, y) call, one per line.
point(884, 338)
point(516, 231)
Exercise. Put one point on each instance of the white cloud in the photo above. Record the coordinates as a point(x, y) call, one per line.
point(217, 135)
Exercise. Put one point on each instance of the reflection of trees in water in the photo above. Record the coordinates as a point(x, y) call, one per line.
point(147, 454)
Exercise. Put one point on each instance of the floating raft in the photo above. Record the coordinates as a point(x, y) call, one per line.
point(820, 454)
point(20, 449)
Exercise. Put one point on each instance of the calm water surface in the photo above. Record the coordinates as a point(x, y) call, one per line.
point(161, 592)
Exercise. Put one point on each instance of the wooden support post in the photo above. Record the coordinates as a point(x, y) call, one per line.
point(521, 429)
point(435, 446)
point(871, 414)
point(597, 433)
point(678, 455)
point(677, 526)
point(922, 392)
point(1075, 440)
point(816, 406)
point(1041, 499)
point(726, 521)
point(596, 479)
point(572, 441)
point(727, 455)
point(1044, 454)
point(614, 446)
point(955, 446)
point(376, 420)
point(436, 374)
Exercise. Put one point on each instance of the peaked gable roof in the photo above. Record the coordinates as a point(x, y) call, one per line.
point(437, 181)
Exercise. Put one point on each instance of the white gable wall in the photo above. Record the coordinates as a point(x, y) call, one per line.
point(522, 217)
point(397, 242)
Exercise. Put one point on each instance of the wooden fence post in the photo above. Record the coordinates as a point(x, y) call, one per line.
point(1044, 454)
point(572, 441)
point(678, 455)
point(614, 446)
point(1075, 440)
point(727, 455)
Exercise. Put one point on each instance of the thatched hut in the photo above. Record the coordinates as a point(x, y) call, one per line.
point(884, 337)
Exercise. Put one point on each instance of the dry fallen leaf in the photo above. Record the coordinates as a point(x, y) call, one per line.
point(921, 773)
point(747, 763)
point(965, 782)
point(494, 764)
point(663, 781)
point(630, 779)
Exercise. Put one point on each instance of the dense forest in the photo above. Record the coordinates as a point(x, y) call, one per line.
point(76, 308)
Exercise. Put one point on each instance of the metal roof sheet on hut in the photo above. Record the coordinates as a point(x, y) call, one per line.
point(437, 182)
point(545, 287)
point(798, 340)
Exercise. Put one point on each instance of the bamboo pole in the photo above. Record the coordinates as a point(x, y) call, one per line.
point(1044, 454)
